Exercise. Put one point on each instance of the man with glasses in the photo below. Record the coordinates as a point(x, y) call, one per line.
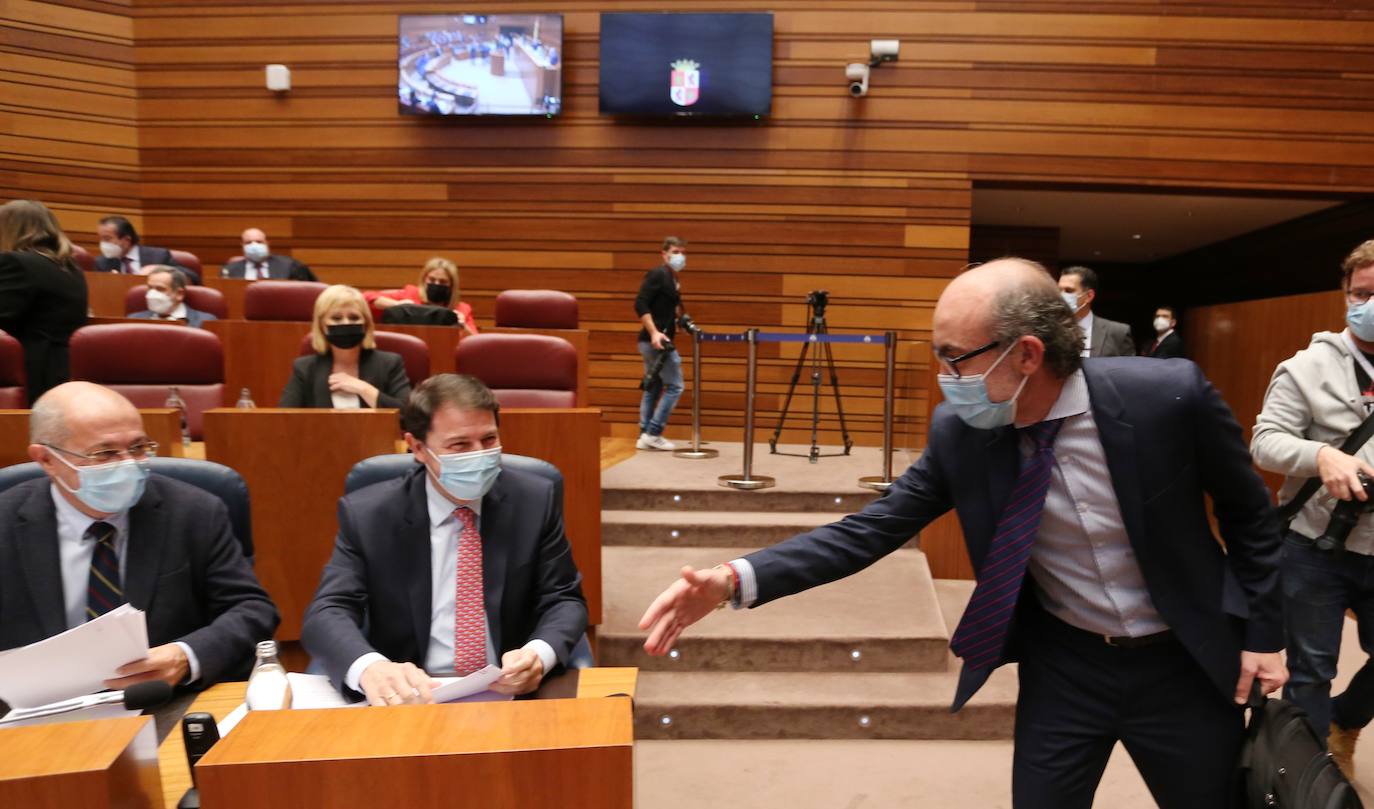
point(99, 531)
point(1097, 570)
point(1315, 401)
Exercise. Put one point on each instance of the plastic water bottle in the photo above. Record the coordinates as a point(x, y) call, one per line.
point(174, 400)
point(245, 401)
point(268, 688)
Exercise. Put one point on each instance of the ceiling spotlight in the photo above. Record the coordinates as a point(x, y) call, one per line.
point(1135, 235)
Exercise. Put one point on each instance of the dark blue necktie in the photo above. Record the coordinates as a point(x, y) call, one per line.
point(104, 591)
point(982, 633)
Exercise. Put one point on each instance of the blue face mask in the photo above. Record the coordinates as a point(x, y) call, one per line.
point(1360, 318)
point(468, 475)
point(968, 395)
point(109, 488)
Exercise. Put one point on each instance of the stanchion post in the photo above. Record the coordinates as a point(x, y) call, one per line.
point(889, 406)
point(696, 452)
point(748, 480)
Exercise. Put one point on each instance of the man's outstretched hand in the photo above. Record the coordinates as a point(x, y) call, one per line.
point(686, 601)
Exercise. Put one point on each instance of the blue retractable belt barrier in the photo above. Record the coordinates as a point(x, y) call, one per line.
point(787, 337)
point(720, 338)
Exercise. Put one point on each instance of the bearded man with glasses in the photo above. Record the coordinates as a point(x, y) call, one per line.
point(99, 531)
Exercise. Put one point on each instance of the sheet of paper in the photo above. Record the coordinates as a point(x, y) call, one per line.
point(455, 689)
point(76, 662)
point(229, 722)
point(107, 711)
point(309, 691)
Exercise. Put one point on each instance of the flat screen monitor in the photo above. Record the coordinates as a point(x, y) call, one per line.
point(669, 64)
point(480, 64)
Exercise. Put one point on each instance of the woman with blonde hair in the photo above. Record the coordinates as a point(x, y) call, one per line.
point(438, 287)
point(346, 372)
point(42, 291)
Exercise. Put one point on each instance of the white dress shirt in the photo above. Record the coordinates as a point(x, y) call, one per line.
point(443, 559)
point(74, 554)
point(1086, 324)
point(133, 258)
point(251, 271)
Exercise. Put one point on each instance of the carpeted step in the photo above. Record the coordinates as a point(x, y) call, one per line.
point(793, 705)
point(720, 529)
point(688, 501)
point(883, 619)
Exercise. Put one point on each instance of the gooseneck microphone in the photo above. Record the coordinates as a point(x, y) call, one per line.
point(137, 697)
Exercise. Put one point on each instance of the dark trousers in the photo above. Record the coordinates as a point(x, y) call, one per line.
point(1318, 588)
point(1079, 697)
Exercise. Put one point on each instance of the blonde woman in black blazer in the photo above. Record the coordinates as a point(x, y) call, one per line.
point(346, 371)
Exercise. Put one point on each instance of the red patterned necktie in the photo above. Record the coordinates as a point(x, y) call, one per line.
point(469, 610)
point(128, 266)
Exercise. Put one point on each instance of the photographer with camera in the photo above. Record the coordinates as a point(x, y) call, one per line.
point(1310, 427)
point(658, 305)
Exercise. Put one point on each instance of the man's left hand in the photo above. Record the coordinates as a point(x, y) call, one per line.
point(1267, 666)
point(167, 662)
point(521, 672)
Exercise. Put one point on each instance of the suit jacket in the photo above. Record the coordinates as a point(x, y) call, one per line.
point(279, 268)
point(1168, 439)
point(1110, 339)
point(374, 594)
point(146, 255)
point(1168, 348)
point(41, 304)
point(194, 317)
point(184, 568)
point(309, 383)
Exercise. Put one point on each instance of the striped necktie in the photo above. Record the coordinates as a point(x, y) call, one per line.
point(104, 591)
point(469, 608)
point(982, 633)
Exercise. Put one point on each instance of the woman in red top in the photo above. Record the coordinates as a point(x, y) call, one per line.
point(438, 287)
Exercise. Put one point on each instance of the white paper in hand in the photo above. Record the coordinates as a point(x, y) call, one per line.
point(76, 662)
point(472, 687)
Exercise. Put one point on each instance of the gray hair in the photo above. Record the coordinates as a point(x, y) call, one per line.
point(1037, 310)
point(179, 278)
point(47, 422)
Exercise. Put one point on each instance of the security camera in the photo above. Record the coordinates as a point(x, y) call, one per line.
point(857, 74)
point(884, 50)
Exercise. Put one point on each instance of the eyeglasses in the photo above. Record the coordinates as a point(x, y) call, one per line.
point(1358, 296)
point(953, 362)
point(137, 452)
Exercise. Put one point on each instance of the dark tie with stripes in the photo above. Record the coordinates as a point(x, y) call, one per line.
point(104, 592)
point(982, 633)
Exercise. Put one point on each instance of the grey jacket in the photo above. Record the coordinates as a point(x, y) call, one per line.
point(1110, 338)
point(1313, 401)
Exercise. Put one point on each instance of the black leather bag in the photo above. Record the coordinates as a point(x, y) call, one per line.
point(416, 314)
point(1283, 765)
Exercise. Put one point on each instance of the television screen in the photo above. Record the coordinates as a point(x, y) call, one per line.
point(481, 64)
point(686, 64)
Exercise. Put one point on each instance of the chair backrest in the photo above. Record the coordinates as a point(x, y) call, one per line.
point(188, 260)
point(281, 300)
point(13, 390)
point(217, 479)
point(83, 258)
point(523, 370)
point(414, 352)
point(536, 309)
point(206, 299)
point(420, 315)
point(143, 360)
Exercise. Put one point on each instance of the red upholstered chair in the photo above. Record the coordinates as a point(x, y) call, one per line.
point(281, 300)
point(14, 394)
point(523, 370)
point(536, 309)
point(412, 349)
point(206, 299)
point(188, 260)
point(83, 258)
point(143, 360)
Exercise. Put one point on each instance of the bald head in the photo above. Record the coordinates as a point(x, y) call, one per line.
point(253, 235)
point(70, 412)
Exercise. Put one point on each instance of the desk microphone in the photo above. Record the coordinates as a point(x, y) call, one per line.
point(137, 697)
point(200, 733)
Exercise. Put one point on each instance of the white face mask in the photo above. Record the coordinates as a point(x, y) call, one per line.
point(1161, 325)
point(255, 251)
point(159, 302)
point(111, 250)
point(1071, 299)
point(677, 261)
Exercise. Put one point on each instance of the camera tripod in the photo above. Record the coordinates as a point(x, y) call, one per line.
point(815, 327)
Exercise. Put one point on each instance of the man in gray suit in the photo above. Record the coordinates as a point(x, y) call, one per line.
point(1101, 337)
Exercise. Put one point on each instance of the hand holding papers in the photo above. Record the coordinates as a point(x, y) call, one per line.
point(76, 662)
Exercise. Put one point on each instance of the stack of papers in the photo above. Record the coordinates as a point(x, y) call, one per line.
point(74, 663)
point(315, 691)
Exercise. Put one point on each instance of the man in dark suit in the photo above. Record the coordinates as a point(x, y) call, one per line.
point(458, 565)
point(1086, 525)
point(1167, 344)
point(1101, 337)
point(122, 252)
point(166, 298)
point(259, 264)
point(99, 531)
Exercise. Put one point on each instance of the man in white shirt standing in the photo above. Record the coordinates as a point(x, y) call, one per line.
point(1101, 337)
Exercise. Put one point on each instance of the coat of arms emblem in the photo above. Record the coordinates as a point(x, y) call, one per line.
point(686, 83)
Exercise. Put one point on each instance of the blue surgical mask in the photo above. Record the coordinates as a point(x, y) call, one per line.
point(968, 396)
point(468, 475)
point(1071, 298)
point(110, 488)
point(677, 261)
point(1360, 318)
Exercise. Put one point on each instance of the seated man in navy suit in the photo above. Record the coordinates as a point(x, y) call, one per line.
point(166, 298)
point(457, 565)
point(1079, 485)
point(259, 263)
point(98, 531)
point(121, 250)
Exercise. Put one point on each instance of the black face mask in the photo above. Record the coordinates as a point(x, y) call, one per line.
point(345, 335)
point(438, 294)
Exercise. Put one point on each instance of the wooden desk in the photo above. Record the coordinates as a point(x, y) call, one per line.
point(232, 290)
point(580, 340)
point(163, 425)
point(103, 764)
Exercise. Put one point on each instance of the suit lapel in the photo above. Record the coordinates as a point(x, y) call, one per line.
point(496, 524)
point(1118, 443)
point(36, 536)
point(147, 533)
point(320, 377)
point(415, 553)
point(1099, 338)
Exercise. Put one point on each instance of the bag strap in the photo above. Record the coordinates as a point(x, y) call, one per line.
point(1356, 440)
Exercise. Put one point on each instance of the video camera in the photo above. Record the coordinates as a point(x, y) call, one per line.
point(689, 325)
point(651, 374)
point(817, 300)
point(1344, 517)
